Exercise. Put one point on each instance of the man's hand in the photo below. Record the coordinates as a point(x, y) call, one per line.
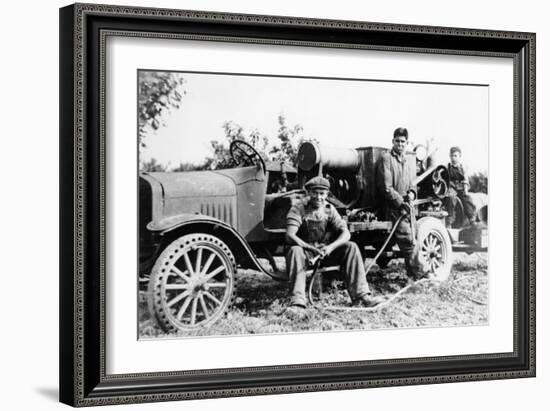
point(313, 249)
point(292, 238)
point(326, 250)
point(409, 197)
point(405, 209)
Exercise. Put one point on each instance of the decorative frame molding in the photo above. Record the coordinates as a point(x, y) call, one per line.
point(83, 32)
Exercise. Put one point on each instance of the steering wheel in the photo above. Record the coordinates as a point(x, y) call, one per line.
point(244, 154)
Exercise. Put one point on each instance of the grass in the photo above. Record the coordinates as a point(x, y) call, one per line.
point(261, 304)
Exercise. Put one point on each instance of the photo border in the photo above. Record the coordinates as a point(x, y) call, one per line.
point(83, 32)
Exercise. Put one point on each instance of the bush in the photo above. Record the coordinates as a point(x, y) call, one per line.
point(478, 182)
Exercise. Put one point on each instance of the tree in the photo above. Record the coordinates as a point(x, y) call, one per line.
point(478, 182)
point(285, 149)
point(189, 167)
point(158, 94)
point(289, 141)
point(152, 166)
point(221, 157)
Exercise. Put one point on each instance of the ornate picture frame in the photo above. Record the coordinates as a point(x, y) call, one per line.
point(84, 377)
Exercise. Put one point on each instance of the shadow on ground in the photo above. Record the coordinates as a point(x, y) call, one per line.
point(50, 393)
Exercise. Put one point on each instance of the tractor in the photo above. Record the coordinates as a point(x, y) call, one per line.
point(198, 228)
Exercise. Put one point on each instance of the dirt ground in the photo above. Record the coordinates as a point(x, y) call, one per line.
point(261, 304)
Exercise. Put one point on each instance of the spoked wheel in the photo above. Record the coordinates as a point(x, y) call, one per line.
point(192, 282)
point(435, 253)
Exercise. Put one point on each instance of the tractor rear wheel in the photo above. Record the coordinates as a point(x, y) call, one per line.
point(192, 283)
point(434, 249)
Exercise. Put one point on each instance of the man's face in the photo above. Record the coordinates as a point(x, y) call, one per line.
point(455, 158)
point(399, 144)
point(318, 196)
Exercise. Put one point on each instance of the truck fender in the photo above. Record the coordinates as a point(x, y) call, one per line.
point(176, 226)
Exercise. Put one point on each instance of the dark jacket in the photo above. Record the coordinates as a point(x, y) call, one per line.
point(394, 177)
point(457, 177)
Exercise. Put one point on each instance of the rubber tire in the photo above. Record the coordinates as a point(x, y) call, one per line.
point(166, 321)
point(430, 225)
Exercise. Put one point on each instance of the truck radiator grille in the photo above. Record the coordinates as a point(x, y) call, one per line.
point(223, 211)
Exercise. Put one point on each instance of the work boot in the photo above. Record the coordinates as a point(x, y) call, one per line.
point(368, 300)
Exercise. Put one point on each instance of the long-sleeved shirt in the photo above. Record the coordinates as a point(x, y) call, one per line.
point(395, 178)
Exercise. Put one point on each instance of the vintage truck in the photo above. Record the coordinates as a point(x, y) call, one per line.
point(198, 228)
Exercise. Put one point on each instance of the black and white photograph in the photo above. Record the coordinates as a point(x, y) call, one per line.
point(273, 204)
point(265, 203)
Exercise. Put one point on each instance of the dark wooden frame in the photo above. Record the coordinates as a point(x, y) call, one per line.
point(83, 29)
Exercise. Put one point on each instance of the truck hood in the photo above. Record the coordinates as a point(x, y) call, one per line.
point(217, 183)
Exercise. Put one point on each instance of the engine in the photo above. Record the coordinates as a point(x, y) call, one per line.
point(353, 175)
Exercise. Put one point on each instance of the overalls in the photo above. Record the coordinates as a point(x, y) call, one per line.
point(457, 178)
point(348, 256)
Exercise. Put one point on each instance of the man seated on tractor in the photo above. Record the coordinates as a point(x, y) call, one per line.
point(458, 190)
point(315, 229)
point(394, 180)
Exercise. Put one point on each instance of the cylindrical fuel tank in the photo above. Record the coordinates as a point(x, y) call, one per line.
point(342, 159)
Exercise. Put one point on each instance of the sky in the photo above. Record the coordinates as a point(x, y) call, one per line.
point(337, 113)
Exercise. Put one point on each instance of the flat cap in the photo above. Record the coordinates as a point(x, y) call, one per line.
point(317, 182)
point(455, 149)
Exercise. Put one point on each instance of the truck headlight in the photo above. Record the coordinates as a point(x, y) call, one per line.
point(421, 152)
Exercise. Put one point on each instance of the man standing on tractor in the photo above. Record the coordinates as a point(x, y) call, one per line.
point(458, 190)
point(316, 230)
point(395, 174)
